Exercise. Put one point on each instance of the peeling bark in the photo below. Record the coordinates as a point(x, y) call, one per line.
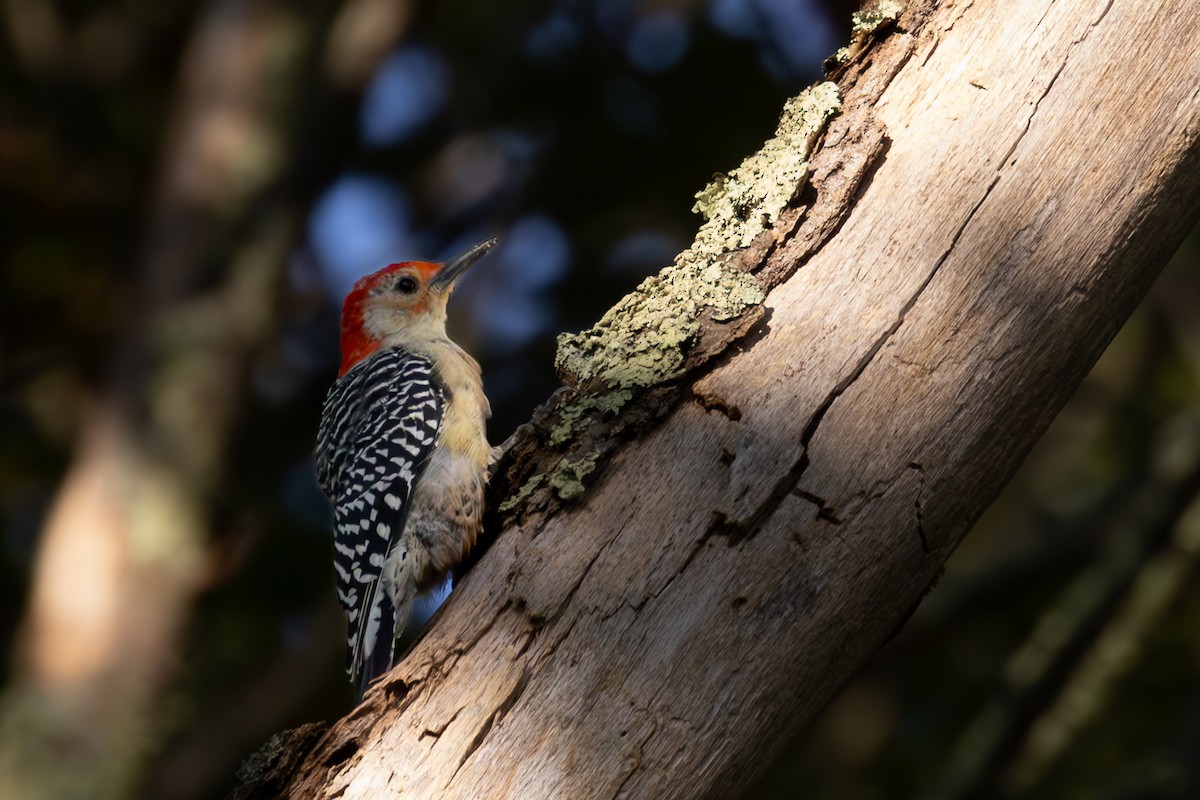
point(1001, 185)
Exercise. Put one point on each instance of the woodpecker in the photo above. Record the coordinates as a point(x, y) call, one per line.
point(402, 453)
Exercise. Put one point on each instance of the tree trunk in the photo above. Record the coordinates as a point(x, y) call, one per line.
point(661, 613)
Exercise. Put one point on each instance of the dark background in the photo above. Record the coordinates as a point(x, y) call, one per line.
point(1056, 659)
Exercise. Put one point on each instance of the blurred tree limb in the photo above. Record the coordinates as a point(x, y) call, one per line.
point(1001, 186)
point(124, 549)
point(1059, 678)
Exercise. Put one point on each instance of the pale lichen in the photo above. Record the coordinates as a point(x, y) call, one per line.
point(641, 341)
point(867, 20)
point(864, 23)
point(607, 403)
point(567, 478)
point(741, 205)
point(522, 494)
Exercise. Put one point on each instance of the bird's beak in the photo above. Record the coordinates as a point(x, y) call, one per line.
point(456, 267)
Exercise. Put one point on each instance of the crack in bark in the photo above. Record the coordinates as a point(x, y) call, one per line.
point(560, 609)
point(441, 666)
point(585, 572)
point(454, 655)
point(710, 402)
point(502, 709)
point(552, 648)
point(1054, 78)
point(825, 511)
point(536, 624)
point(937, 41)
point(436, 733)
point(513, 695)
point(637, 607)
point(920, 509)
point(475, 744)
point(638, 762)
point(343, 753)
point(791, 480)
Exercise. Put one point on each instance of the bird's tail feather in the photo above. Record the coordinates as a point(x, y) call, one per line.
point(375, 657)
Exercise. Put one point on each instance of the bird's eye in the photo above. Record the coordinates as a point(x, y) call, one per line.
point(406, 285)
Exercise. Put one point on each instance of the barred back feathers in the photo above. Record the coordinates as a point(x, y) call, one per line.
point(378, 429)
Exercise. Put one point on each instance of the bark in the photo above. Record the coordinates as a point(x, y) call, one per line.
point(1002, 184)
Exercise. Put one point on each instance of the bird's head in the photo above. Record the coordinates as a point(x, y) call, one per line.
point(402, 303)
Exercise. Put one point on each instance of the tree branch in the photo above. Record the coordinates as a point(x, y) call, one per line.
point(124, 549)
point(693, 563)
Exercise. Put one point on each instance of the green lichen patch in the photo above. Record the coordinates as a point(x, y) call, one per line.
point(866, 21)
point(522, 494)
point(739, 206)
point(567, 478)
point(607, 403)
point(641, 341)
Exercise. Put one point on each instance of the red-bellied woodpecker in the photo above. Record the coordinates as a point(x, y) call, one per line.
point(402, 452)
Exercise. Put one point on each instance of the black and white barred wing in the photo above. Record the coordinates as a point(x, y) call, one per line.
point(378, 428)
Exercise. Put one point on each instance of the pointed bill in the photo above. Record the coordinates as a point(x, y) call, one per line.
point(457, 266)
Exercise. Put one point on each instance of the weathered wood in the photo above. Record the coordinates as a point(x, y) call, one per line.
point(1017, 174)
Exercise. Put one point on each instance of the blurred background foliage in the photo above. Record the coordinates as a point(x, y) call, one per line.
point(154, 156)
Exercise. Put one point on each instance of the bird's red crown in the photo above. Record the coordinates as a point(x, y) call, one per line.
point(357, 342)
